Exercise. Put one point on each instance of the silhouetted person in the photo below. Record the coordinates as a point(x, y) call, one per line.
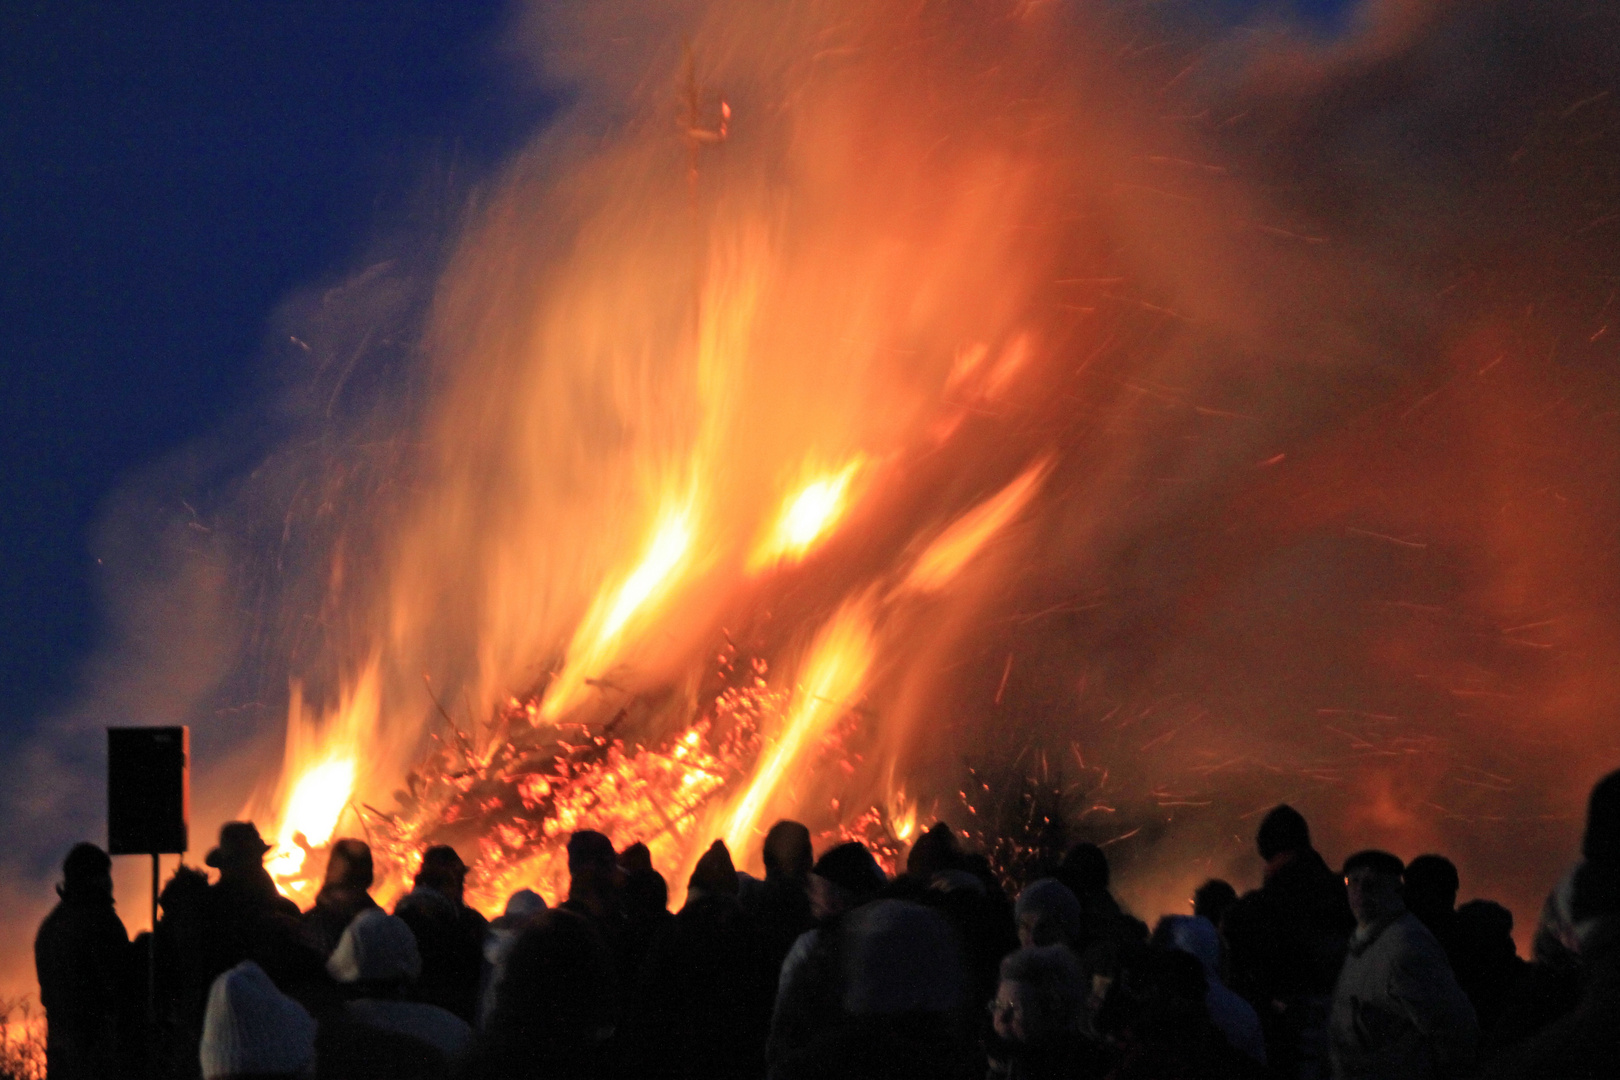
point(1429, 889)
point(1213, 899)
point(251, 1029)
point(935, 852)
point(1557, 942)
point(780, 905)
point(375, 963)
point(521, 907)
point(344, 894)
point(248, 919)
point(1286, 941)
point(81, 955)
point(901, 1014)
point(701, 1013)
point(1583, 1044)
point(1398, 1013)
point(809, 992)
point(594, 878)
point(1156, 1020)
point(1035, 1018)
point(449, 934)
point(183, 974)
point(1228, 1011)
point(1048, 913)
point(555, 1007)
point(1512, 997)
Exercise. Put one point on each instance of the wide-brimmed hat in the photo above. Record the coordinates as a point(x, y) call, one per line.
point(239, 842)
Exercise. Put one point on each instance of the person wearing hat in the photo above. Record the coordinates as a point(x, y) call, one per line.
point(376, 963)
point(80, 956)
point(251, 1029)
point(246, 917)
point(449, 934)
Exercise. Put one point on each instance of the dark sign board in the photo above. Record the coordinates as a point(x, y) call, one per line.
point(148, 790)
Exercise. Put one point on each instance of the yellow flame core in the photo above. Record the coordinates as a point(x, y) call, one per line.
point(320, 773)
point(599, 636)
point(807, 516)
point(966, 537)
point(833, 675)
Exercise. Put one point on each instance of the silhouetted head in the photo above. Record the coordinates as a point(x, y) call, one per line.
point(1084, 870)
point(1373, 881)
point(350, 864)
point(87, 871)
point(844, 877)
point(1212, 898)
point(588, 849)
point(1048, 913)
point(646, 893)
point(1040, 996)
point(934, 852)
point(1484, 931)
point(715, 874)
point(787, 853)
point(377, 956)
point(185, 893)
point(240, 848)
point(1283, 829)
point(442, 871)
point(901, 958)
point(1430, 887)
point(635, 857)
point(1602, 840)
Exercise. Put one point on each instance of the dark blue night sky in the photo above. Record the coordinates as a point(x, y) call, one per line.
point(170, 173)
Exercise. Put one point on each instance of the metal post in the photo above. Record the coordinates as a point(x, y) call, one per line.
point(151, 949)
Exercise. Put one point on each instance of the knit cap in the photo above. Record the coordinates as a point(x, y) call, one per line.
point(1052, 910)
point(900, 957)
point(375, 948)
point(851, 867)
point(251, 1027)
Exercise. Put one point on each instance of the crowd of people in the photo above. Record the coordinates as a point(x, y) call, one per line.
point(830, 968)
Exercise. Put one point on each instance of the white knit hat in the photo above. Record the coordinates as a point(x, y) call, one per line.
point(375, 948)
point(251, 1027)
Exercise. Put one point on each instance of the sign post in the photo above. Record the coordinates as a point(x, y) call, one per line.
point(149, 808)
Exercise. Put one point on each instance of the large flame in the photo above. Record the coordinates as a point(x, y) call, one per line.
point(960, 333)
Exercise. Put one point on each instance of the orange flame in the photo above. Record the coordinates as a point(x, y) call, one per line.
point(320, 772)
point(599, 635)
point(807, 516)
point(966, 537)
point(833, 676)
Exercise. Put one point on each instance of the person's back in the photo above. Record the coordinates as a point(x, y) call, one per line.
point(555, 1008)
point(80, 956)
point(902, 1003)
point(1228, 1011)
point(702, 1012)
point(1286, 942)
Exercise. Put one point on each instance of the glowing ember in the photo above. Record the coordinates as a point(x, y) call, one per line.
point(806, 517)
